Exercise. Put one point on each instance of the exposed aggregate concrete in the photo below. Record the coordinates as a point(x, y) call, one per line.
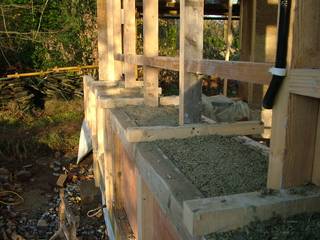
point(217, 165)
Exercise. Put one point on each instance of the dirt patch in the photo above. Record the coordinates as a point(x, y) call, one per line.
point(153, 116)
point(217, 165)
point(34, 150)
point(302, 226)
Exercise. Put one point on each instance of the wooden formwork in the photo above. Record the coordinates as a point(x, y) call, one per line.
point(162, 207)
point(134, 180)
point(143, 202)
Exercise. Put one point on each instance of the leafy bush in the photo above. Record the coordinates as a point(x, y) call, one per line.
point(42, 34)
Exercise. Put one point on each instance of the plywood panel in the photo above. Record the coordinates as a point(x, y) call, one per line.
point(163, 228)
point(129, 188)
point(302, 125)
point(316, 165)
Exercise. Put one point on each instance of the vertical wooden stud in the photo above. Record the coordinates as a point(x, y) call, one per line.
point(102, 39)
point(301, 136)
point(117, 36)
point(191, 46)
point(285, 140)
point(105, 40)
point(129, 40)
point(110, 42)
point(144, 210)
point(246, 29)
point(316, 165)
point(150, 49)
point(229, 43)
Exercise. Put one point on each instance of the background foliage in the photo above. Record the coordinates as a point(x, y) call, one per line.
point(39, 34)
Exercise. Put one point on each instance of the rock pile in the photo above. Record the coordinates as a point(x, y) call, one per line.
point(18, 224)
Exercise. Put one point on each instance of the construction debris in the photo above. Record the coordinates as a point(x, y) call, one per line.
point(29, 92)
point(61, 180)
point(65, 215)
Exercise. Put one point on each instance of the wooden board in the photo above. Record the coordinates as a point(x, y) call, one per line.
point(316, 165)
point(228, 43)
point(129, 40)
point(255, 72)
point(305, 82)
point(163, 228)
point(102, 39)
point(301, 138)
point(203, 216)
point(142, 134)
point(150, 49)
point(119, 102)
point(129, 188)
point(153, 172)
point(169, 100)
point(145, 216)
point(128, 128)
point(110, 43)
point(191, 47)
point(117, 37)
point(302, 53)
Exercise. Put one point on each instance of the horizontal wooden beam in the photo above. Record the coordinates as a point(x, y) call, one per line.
point(305, 82)
point(103, 83)
point(252, 72)
point(144, 134)
point(169, 100)
point(170, 63)
point(203, 216)
point(119, 102)
point(114, 101)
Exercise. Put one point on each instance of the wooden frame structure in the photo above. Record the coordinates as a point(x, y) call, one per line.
point(124, 167)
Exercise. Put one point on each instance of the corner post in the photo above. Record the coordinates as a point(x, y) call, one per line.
point(295, 119)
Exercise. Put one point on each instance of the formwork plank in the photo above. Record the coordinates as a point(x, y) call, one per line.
point(142, 134)
point(218, 214)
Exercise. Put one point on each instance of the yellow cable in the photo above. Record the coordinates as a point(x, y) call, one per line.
point(95, 212)
point(2, 193)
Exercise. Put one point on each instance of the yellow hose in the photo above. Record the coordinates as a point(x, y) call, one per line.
point(53, 70)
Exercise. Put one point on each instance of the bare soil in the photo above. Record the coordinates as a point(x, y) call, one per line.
point(44, 144)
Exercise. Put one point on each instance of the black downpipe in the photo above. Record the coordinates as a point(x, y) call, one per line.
point(281, 56)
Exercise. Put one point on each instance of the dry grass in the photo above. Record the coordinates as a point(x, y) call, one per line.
point(30, 135)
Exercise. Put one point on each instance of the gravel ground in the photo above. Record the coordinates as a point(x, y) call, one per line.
point(299, 227)
point(151, 116)
point(217, 165)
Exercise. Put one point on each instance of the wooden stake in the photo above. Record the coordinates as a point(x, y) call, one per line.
point(229, 43)
point(102, 39)
point(150, 49)
point(117, 36)
point(129, 40)
point(110, 47)
point(191, 46)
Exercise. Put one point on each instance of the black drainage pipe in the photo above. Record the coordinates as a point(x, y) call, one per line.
point(281, 57)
